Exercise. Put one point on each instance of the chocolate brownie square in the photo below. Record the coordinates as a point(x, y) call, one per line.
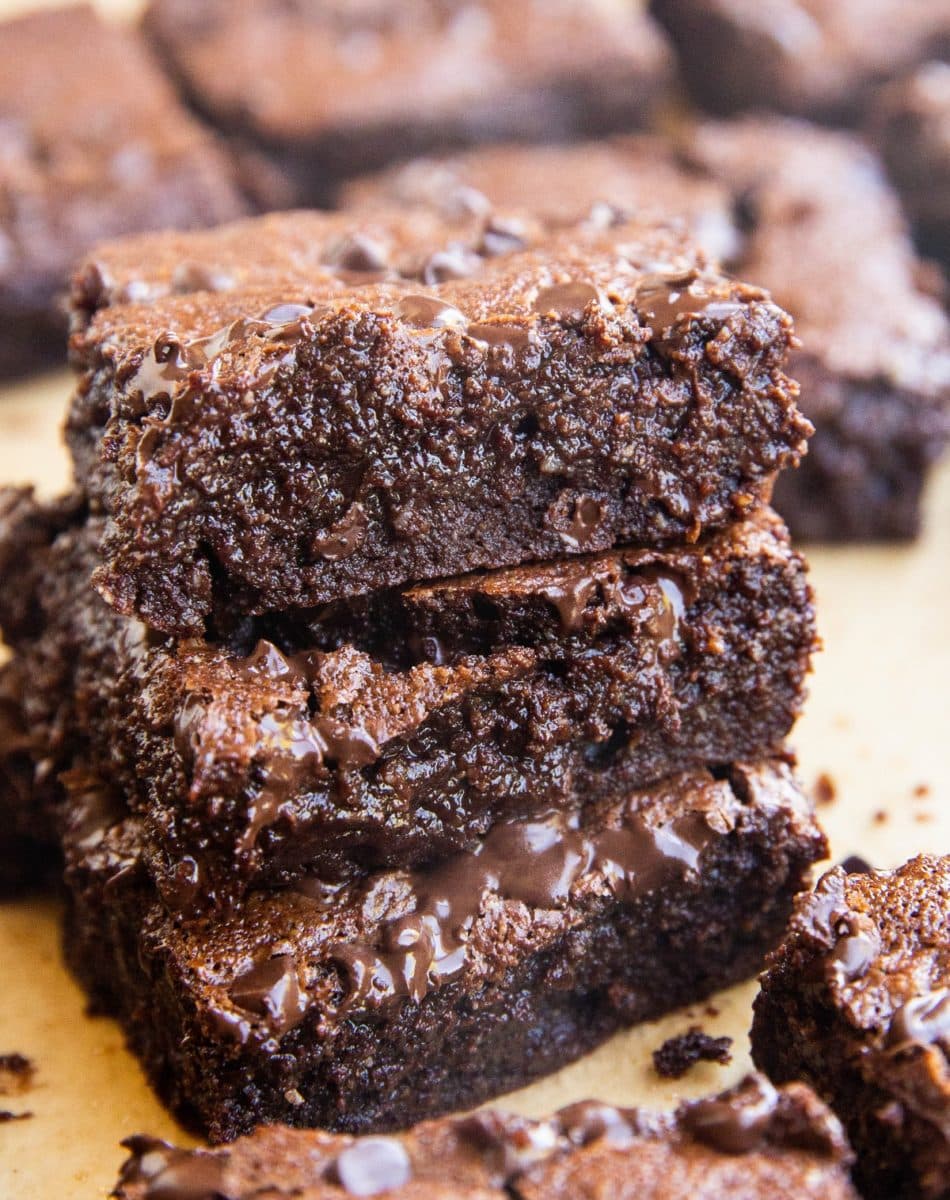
point(805, 213)
point(308, 436)
point(856, 1001)
point(814, 58)
point(329, 89)
point(93, 144)
point(912, 128)
point(406, 994)
point(399, 731)
point(751, 1143)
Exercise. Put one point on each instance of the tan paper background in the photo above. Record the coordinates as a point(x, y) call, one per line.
point(877, 723)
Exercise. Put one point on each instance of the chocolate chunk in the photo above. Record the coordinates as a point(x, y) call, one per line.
point(373, 1165)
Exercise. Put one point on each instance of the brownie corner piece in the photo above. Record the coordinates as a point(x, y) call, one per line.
point(568, 397)
point(521, 959)
point(856, 1002)
point(86, 155)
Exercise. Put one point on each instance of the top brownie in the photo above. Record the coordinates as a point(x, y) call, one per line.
point(84, 155)
point(330, 88)
point(817, 58)
point(310, 423)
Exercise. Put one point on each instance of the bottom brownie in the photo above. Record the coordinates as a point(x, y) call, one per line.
point(385, 1001)
point(856, 1002)
point(749, 1143)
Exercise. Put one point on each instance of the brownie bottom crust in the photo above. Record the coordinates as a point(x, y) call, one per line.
point(375, 1004)
point(856, 1002)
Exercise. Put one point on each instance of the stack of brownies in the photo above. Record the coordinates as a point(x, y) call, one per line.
point(405, 683)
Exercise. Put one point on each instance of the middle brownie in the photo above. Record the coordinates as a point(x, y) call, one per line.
point(399, 730)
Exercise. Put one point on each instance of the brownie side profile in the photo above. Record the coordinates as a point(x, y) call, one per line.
point(822, 59)
point(856, 1002)
point(807, 214)
point(85, 156)
point(911, 127)
point(340, 740)
point(328, 90)
point(401, 996)
point(284, 446)
point(751, 1142)
point(825, 232)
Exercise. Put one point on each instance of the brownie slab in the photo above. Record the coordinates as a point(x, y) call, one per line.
point(857, 1002)
point(814, 58)
point(84, 156)
point(405, 995)
point(331, 89)
point(397, 731)
point(804, 212)
point(911, 126)
point(750, 1142)
point(290, 444)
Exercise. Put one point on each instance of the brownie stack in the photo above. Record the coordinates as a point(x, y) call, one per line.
point(406, 680)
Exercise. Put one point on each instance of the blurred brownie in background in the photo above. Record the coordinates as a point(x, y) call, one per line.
point(912, 129)
point(800, 210)
point(93, 144)
point(817, 58)
point(330, 88)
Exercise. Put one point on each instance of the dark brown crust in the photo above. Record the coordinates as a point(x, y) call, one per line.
point(538, 987)
point(858, 950)
point(821, 59)
point(302, 84)
point(795, 1152)
point(527, 406)
point(87, 155)
point(458, 704)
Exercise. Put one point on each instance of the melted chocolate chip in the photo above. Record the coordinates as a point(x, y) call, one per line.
point(502, 237)
point(569, 301)
point(854, 864)
point(532, 862)
point(508, 1145)
point(343, 538)
point(736, 1124)
point(456, 262)
point(501, 334)
point(373, 1165)
point(359, 253)
point(172, 1174)
point(590, 1121)
point(271, 989)
point(199, 277)
point(586, 521)
point(858, 946)
point(924, 1019)
point(663, 299)
point(429, 312)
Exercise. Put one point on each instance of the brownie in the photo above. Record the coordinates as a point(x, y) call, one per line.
point(815, 58)
point(328, 89)
point(288, 444)
point(87, 154)
point(750, 1142)
point(857, 1002)
point(804, 212)
point(403, 995)
point(912, 128)
point(399, 731)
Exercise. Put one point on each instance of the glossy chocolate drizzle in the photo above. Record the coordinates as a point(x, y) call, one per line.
point(925, 1020)
point(172, 1174)
point(534, 862)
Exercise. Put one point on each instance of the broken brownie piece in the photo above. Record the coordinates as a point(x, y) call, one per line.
point(804, 212)
point(331, 89)
point(85, 155)
point(912, 129)
point(678, 1054)
point(814, 58)
point(405, 994)
point(751, 1143)
point(390, 734)
point(856, 1001)
point(296, 443)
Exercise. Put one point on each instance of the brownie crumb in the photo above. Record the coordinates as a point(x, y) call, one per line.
point(679, 1054)
point(16, 1074)
point(921, 790)
point(854, 864)
point(6, 1115)
point(881, 816)
point(825, 789)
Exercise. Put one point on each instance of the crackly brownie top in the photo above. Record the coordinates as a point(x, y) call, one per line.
point(73, 139)
point(879, 943)
point(563, 184)
point(292, 70)
point(332, 950)
point(825, 232)
point(780, 1137)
